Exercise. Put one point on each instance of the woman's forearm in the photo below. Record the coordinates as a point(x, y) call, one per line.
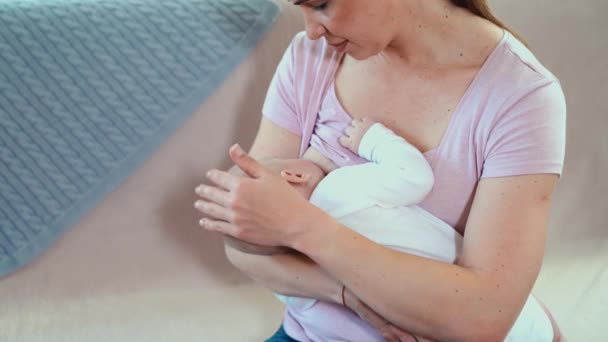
point(287, 274)
point(430, 299)
point(290, 274)
point(251, 248)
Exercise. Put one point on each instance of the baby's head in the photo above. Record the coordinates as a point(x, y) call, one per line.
point(304, 175)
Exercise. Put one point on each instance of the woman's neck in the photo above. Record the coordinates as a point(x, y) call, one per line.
point(432, 34)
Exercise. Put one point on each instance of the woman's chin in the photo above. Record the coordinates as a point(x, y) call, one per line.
point(358, 54)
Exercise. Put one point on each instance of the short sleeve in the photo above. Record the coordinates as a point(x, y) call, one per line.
point(280, 103)
point(529, 137)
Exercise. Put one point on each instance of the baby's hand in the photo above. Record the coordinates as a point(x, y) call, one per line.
point(355, 132)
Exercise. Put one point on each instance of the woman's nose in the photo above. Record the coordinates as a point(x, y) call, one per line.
point(314, 29)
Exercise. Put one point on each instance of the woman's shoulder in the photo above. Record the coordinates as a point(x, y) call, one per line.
point(513, 76)
point(528, 61)
point(303, 74)
point(512, 66)
point(520, 114)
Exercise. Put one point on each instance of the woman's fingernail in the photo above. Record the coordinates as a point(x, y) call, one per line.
point(199, 190)
point(238, 150)
point(198, 204)
point(202, 222)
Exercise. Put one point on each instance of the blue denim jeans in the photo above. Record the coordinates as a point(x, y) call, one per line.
point(281, 336)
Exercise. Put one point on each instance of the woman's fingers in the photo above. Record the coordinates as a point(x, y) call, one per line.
point(214, 211)
point(376, 321)
point(218, 226)
point(384, 327)
point(246, 163)
point(223, 179)
point(389, 336)
point(259, 210)
point(390, 332)
point(402, 335)
point(215, 195)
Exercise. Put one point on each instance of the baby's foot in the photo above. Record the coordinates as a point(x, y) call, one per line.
point(355, 132)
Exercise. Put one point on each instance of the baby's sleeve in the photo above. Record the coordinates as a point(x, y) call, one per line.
point(280, 103)
point(398, 173)
point(530, 136)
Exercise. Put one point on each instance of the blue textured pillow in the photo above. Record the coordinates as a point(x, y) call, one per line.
point(90, 88)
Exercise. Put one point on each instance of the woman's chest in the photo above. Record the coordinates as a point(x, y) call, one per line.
point(418, 109)
point(454, 164)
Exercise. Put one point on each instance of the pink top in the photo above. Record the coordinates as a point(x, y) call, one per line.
point(511, 121)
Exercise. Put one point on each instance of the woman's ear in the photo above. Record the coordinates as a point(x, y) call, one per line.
point(295, 176)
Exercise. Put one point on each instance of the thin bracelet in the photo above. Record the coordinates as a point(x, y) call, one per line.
point(344, 303)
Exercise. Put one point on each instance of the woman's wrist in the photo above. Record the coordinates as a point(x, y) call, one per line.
point(315, 229)
point(336, 296)
point(349, 298)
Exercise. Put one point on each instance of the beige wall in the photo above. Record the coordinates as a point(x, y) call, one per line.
point(570, 38)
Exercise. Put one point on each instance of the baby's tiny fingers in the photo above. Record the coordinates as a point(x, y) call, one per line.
point(344, 141)
point(350, 130)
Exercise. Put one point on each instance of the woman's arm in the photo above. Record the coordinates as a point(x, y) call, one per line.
point(477, 299)
point(291, 274)
point(288, 274)
point(295, 274)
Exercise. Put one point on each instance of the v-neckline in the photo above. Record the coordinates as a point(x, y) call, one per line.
point(470, 89)
point(429, 154)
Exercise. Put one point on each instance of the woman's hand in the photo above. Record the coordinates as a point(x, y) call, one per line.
point(390, 332)
point(263, 209)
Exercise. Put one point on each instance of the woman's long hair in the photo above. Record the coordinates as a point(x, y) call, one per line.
point(482, 9)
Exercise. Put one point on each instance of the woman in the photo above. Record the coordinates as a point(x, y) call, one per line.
point(448, 77)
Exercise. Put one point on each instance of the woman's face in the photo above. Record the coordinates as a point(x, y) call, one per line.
point(361, 28)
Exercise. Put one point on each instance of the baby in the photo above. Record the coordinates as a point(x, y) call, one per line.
point(378, 200)
point(396, 178)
